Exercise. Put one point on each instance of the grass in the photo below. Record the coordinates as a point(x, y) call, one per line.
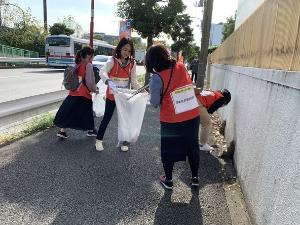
point(35, 125)
point(39, 123)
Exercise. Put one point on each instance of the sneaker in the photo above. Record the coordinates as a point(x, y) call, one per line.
point(195, 182)
point(91, 133)
point(123, 146)
point(99, 145)
point(206, 147)
point(167, 184)
point(62, 134)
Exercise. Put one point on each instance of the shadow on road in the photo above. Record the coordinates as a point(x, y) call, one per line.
point(67, 182)
point(177, 213)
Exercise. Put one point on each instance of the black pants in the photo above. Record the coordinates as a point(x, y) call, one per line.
point(108, 113)
point(169, 165)
point(194, 75)
point(178, 141)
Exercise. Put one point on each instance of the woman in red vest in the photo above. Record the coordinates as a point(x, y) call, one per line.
point(171, 88)
point(76, 111)
point(209, 102)
point(118, 72)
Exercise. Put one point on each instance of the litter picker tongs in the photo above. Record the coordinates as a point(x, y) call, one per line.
point(138, 91)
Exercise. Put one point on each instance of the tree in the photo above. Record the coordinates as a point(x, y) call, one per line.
point(191, 52)
point(150, 17)
point(181, 33)
point(21, 30)
point(208, 8)
point(98, 37)
point(228, 27)
point(70, 23)
point(60, 28)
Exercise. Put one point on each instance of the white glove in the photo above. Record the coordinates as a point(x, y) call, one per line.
point(113, 87)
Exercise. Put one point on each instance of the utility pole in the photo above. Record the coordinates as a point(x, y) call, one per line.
point(208, 8)
point(92, 25)
point(45, 16)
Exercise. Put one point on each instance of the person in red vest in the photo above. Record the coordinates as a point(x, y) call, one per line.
point(76, 111)
point(209, 102)
point(118, 72)
point(171, 88)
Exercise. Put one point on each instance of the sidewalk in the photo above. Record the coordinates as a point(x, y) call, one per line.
point(49, 181)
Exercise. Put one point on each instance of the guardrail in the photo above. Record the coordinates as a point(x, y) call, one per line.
point(22, 60)
point(20, 109)
point(8, 51)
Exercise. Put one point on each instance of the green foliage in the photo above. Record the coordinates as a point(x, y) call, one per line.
point(181, 33)
point(37, 124)
point(138, 44)
point(228, 27)
point(212, 48)
point(191, 52)
point(60, 28)
point(21, 30)
point(150, 17)
point(98, 37)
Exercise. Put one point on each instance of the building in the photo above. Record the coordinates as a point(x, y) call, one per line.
point(216, 34)
point(245, 9)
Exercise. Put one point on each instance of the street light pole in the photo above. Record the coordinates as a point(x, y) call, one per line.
point(92, 24)
point(45, 16)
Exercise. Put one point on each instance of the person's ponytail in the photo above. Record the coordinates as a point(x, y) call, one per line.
point(78, 57)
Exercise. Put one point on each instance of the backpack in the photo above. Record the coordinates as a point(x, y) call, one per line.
point(71, 79)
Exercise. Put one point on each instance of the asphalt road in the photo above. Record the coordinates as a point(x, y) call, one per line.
point(25, 82)
point(45, 180)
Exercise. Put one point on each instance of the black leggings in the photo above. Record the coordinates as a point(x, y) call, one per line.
point(108, 113)
point(194, 165)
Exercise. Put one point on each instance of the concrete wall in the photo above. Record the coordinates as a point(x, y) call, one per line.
point(245, 9)
point(264, 121)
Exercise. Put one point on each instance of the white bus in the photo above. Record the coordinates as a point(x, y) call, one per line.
point(60, 50)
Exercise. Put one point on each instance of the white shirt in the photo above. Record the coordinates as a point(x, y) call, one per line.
point(109, 65)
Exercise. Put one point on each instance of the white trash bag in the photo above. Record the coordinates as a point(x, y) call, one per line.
point(98, 100)
point(130, 114)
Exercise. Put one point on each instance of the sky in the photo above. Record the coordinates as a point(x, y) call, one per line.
point(106, 20)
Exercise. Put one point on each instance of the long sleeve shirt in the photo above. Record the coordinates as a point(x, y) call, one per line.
point(156, 90)
point(109, 65)
point(216, 105)
point(90, 78)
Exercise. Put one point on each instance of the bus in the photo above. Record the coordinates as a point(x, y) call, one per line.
point(60, 50)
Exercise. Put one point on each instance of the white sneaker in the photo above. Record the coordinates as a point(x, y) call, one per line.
point(99, 145)
point(206, 147)
point(124, 148)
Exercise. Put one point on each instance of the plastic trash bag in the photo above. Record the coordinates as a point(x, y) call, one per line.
point(98, 105)
point(130, 114)
point(98, 100)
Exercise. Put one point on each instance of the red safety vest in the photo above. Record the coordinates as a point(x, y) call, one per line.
point(120, 76)
point(179, 102)
point(207, 98)
point(82, 90)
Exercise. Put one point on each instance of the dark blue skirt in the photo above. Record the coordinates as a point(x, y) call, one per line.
point(76, 112)
point(177, 139)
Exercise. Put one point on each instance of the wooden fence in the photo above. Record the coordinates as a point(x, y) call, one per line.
point(269, 38)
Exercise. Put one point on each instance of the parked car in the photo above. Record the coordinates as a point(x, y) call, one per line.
point(98, 62)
